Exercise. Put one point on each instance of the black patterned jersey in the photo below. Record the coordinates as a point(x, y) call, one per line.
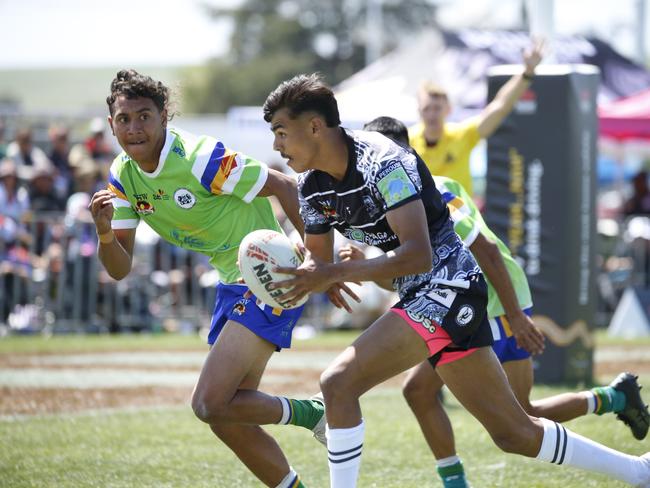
point(382, 176)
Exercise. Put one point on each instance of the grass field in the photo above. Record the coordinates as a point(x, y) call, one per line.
point(123, 443)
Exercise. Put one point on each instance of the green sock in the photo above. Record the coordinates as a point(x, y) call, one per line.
point(305, 413)
point(453, 476)
point(608, 399)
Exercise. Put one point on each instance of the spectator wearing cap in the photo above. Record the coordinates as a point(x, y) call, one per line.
point(42, 194)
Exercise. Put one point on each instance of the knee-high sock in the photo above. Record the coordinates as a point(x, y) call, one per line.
point(561, 446)
point(344, 448)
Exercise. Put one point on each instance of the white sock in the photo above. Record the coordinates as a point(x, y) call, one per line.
point(289, 480)
point(344, 448)
point(561, 446)
point(286, 411)
point(448, 461)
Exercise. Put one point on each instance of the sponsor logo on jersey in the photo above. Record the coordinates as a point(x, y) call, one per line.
point(143, 207)
point(446, 297)
point(328, 210)
point(160, 194)
point(423, 321)
point(184, 198)
point(465, 315)
point(396, 186)
point(240, 307)
point(179, 150)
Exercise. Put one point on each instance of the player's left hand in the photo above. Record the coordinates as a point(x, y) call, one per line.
point(313, 276)
point(527, 335)
point(533, 56)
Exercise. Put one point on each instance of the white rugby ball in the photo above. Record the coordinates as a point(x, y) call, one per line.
point(260, 252)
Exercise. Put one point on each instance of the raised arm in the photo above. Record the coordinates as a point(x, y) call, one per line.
point(498, 109)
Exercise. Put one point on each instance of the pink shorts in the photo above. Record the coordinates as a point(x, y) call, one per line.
point(436, 339)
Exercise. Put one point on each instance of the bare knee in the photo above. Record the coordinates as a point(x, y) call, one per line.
point(418, 393)
point(208, 409)
point(519, 439)
point(336, 383)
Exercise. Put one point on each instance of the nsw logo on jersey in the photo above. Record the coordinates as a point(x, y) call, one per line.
point(396, 186)
point(184, 198)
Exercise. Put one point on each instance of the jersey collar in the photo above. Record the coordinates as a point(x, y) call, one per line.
point(169, 140)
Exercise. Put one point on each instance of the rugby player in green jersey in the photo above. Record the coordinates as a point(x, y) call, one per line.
point(199, 195)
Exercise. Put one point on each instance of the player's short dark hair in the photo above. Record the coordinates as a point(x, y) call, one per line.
point(303, 93)
point(392, 128)
point(131, 84)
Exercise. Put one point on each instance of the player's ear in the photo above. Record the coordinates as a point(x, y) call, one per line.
point(164, 117)
point(110, 124)
point(316, 125)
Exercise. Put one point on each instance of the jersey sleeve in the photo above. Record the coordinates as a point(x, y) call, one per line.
point(315, 219)
point(222, 171)
point(124, 217)
point(397, 181)
point(460, 211)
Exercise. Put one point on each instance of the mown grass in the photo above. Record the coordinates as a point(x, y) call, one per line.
point(168, 447)
point(146, 341)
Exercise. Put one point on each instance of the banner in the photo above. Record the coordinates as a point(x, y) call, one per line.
point(540, 199)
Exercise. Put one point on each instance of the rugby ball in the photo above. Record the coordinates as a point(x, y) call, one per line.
point(260, 252)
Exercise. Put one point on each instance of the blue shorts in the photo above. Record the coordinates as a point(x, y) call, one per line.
point(274, 325)
point(505, 345)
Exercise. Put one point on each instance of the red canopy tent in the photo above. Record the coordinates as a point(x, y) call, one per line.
point(627, 118)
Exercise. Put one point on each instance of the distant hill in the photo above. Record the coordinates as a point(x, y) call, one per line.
point(71, 90)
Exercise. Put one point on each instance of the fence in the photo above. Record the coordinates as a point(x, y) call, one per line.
point(51, 281)
point(50, 278)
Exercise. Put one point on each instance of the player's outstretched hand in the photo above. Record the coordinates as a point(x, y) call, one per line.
point(533, 56)
point(102, 210)
point(349, 252)
point(526, 334)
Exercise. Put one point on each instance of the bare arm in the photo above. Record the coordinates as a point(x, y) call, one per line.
point(498, 109)
point(115, 249)
point(411, 257)
point(489, 258)
point(350, 251)
point(285, 189)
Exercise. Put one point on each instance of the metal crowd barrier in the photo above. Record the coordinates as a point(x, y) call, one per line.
point(52, 281)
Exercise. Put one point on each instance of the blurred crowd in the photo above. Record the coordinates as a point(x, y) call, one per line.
point(45, 188)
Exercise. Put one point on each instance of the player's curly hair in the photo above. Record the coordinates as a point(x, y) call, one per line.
point(131, 84)
point(303, 93)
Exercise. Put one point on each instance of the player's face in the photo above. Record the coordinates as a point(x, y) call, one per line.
point(139, 128)
point(294, 139)
point(433, 111)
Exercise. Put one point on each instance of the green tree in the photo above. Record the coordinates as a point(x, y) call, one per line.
point(273, 40)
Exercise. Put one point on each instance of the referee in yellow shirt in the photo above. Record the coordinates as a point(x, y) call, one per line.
point(445, 146)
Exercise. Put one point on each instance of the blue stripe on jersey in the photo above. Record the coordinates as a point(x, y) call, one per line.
point(213, 165)
point(113, 181)
point(447, 196)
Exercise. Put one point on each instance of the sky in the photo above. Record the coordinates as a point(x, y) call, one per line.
point(75, 33)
